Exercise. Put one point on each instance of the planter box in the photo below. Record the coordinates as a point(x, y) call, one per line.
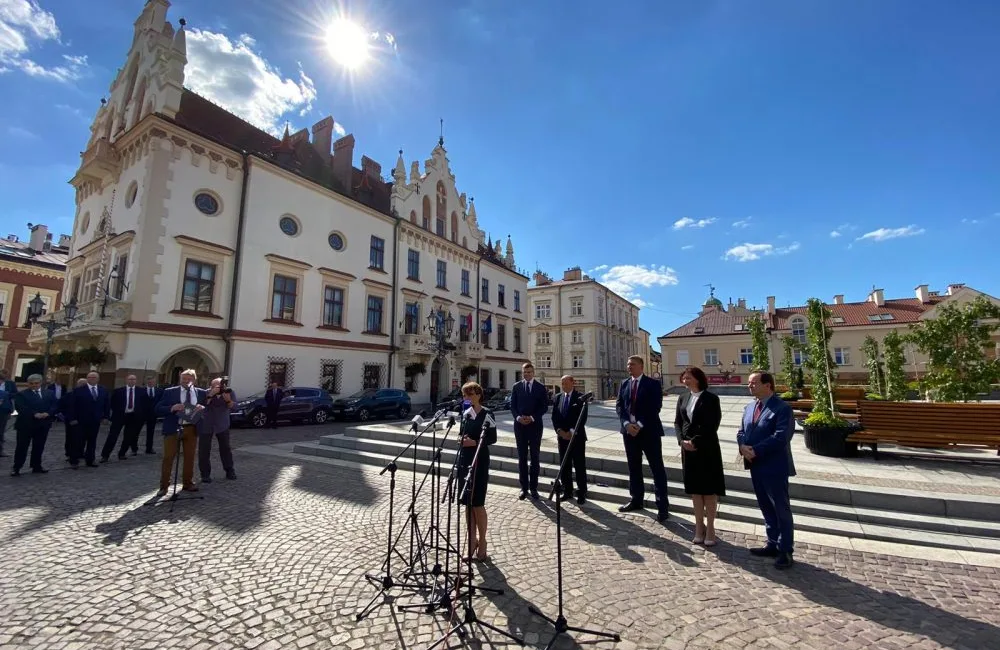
point(830, 441)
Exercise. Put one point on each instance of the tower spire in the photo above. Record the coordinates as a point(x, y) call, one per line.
point(441, 137)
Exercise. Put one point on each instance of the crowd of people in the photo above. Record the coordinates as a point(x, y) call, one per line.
point(192, 418)
point(764, 439)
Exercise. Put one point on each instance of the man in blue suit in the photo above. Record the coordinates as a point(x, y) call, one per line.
point(529, 401)
point(180, 408)
point(36, 410)
point(765, 439)
point(7, 391)
point(89, 405)
point(639, 402)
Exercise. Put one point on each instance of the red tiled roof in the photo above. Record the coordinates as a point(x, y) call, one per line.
point(20, 251)
point(713, 323)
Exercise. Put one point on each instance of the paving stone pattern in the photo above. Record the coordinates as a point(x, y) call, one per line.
point(275, 560)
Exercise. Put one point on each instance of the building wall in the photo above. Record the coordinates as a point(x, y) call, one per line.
point(19, 283)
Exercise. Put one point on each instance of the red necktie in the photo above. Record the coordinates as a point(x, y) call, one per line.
point(756, 411)
point(129, 407)
point(635, 391)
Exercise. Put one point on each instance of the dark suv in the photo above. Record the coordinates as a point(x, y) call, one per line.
point(298, 405)
point(372, 403)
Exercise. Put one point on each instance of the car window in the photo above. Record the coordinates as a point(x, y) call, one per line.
point(306, 392)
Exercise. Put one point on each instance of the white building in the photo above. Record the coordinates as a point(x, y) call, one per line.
point(201, 241)
point(580, 327)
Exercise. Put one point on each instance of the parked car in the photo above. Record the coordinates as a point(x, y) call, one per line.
point(450, 402)
point(372, 403)
point(500, 401)
point(298, 405)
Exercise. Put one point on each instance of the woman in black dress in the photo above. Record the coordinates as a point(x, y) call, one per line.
point(477, 421)
point(699, 414)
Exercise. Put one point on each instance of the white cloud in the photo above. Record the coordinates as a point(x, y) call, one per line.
point(687, 248)
point(23, 23)
point(971, 221)
point(882, 234)
point(597, 269)
point(339, 129)
point(235, 76)
point(835, 233)
point(625, 279)
point(749, 252)
point(742, 223)
point(18, 132)
point(688, 222)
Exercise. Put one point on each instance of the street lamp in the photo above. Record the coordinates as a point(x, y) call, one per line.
point(35, 307)
point(440, 327)
point(727, 372)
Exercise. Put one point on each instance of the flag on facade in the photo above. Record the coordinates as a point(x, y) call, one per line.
point(468, 322)
point(488, 325)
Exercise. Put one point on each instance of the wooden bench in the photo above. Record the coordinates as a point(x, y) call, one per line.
point(801, 414)
point(931, 425)
point(845, 399)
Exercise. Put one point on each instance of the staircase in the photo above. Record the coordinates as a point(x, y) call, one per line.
point(951, 521)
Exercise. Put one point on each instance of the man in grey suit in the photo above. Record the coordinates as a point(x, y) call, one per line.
point(529, 401)
point(36, 409)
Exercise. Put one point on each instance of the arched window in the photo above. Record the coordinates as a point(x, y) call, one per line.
point(465, 242)
point(442, 210)
point(427, 213)
point(413, 216)
point(799, 330)
point(454, 226)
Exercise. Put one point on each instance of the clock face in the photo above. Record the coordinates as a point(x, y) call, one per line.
point(336, 241)
point(206, 204)
point(288, 226)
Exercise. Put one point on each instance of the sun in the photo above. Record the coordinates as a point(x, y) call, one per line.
point(347, 43)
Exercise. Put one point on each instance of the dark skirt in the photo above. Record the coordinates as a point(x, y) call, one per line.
point(703, 470)
point(475, 495)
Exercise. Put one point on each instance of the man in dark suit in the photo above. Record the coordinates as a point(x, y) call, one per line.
point(125, 414)
point(765, 439)
point(36, 409)
point(148, 398)
point(272, 402)
point(61, 395)
point(639, 402)
point(528, 403)
point(180, 407)
point(8, 389)
point(64, 412)
point(89, 405)
point(565, 412)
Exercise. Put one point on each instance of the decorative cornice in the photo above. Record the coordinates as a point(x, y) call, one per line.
point(334, 273)
point(368, 282)
point(184, 240)
point(96, 244)
point(287, 261)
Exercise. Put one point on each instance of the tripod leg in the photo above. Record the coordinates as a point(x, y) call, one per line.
point(603, 635)
point(501, 632)
point(447, 635)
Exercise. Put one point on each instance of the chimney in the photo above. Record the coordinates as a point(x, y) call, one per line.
point(571, 274)
point(371, 168)
point(770, 305)
point(302, 135)
point(952, 288)
point(838, 299)
point(322, 132)
point(39, 235)
point(64, 241)
point(343, 161)
point(741, 303)
point(923, 294)
point(541, 279)
point(877, 296)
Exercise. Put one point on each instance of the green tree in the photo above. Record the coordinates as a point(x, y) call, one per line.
point(787, 362)
point(955, 341)
point(895, 377)
point(876, 375)
point(758, 340)
point(820, 365)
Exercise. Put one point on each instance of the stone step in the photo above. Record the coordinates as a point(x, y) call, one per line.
point(737, 506)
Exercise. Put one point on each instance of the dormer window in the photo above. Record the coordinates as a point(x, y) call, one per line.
point(799, 330)
point(699, 330)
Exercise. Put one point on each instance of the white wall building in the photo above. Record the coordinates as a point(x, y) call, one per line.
point(580, 327)
point(201, 241)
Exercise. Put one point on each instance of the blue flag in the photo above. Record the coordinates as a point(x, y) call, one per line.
point(488, 325)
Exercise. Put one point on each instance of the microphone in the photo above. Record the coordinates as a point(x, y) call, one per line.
point(416, 422)
point(586, 397)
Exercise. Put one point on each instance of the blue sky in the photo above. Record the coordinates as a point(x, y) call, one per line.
point(780, 148)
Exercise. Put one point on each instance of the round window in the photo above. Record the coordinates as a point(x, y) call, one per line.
point(336, 241)
point(288, 226)
point(206, 203)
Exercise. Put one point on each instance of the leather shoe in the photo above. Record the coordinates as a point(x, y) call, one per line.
point(764, 551)
point(207, 479)
point(231, 476)
point(784, 561)
point(39, 470)
point(631, 506)
point(92, 465)
point(15, 472)
point(534, 495)
point(581, 499)
point(523, 495)
point(662, 515)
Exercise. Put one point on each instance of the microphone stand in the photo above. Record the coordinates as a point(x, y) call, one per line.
point(559, 623)
point(385, 581)
point(469, 618)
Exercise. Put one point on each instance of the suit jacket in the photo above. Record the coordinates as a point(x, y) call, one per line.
point(534, 402)
point(272, 401)
point(7, 397)
point(770, 437)
point(147, 404)
point(171, 396)
point(28, 404)
point(85, 409)
point(704, 421)
point(62, 399)
point(568, 421)
point(119, 401)
point(648, 402)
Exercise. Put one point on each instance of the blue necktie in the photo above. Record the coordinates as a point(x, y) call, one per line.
point(565, 404)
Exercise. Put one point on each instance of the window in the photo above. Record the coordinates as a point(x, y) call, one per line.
point(502, 378)
point(838, 320)
point(410, 383)
point(842, 356)
point(739, 327)
point(411, 321)
point(577, 360)
point(517, 376)
point(600, 310)
point(27, 319)
point(439, 226)
point(74, 290)
point(545, 361)
point(413, 265)
point(517, 339)
point(485, 291)
point(289, 225)
point(442, 274)
point(683, 359)
point(699, 330)
point(118, 282)
point(543, 311)
point(484, 377)
point(3, 305)
point(336, 241)
point(577, 336)
point(373, 323)
point(91, 278)
point(283, 295)
point(576, 307)
point(333, 307)
point(580, 385)
point(875, 318)
point(371, 375)
point(484, 338)
point(746, 356)
point(501, 336)
point(711, 357)
point(501, 297)
point(206, 203)
point(799, 330)
point(330, 374)
point(798, 357)
point(199, 286)
point(376, 256)
point(465, 282)
point(517, 300)
point(542, 338)
point(464, 322)
point(277, 372)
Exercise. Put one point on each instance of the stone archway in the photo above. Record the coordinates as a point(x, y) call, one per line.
point(169, 371)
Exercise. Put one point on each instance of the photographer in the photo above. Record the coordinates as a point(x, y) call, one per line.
point(219, 400)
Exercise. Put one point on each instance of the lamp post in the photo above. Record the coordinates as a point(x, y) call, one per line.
point(35, 307)
point(440, 327)
point(727, 372)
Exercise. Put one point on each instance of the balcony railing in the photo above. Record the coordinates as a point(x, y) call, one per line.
point(470, 350)
point(101, 161)
point(88, 317)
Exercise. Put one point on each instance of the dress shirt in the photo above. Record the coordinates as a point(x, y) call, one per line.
point(691, 404)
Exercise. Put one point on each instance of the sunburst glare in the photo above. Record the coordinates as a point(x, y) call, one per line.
point(348, 43)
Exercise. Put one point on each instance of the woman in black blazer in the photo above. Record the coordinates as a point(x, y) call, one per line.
point(699, 414)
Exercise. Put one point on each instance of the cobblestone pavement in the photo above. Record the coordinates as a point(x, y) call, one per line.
point(276, 559)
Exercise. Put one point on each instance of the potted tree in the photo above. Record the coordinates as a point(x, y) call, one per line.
point(788, 375)
point(876, 372)
point(895, 376)
point(415, 368)
point(825, 432)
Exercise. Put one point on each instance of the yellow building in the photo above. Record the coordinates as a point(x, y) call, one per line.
point(718, 340)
